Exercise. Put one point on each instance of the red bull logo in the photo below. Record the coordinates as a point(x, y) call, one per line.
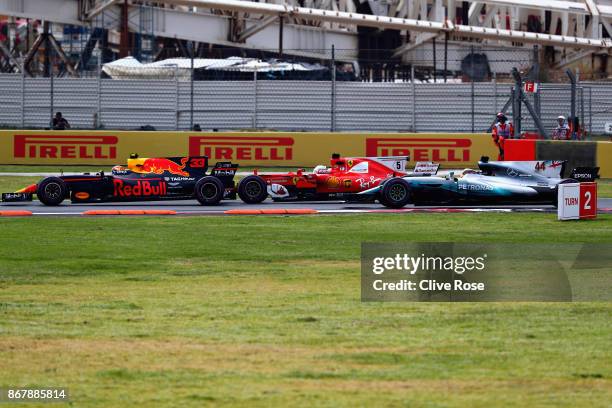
point(142, 188)
point(65, 147)
point(159, 166)
point(242, 147)
point(421, 149)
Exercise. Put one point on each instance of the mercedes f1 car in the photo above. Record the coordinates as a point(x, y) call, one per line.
point(495, 183)
point(346, 177)
point(143, 179)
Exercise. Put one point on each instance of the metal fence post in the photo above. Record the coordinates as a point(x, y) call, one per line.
point(590, 110)
point(413, 86)
point(255, 98)
point(445, 43)
point(177, 105)
point(517, 104)
point(572, 79)
point(23, 79)
point(495, 92)
point(191, 92)
point(536, 79)
point(98, 123)
point(472, 82)
point(582, 121)
point(51, 107)
point(433, 41)
point(333, 88)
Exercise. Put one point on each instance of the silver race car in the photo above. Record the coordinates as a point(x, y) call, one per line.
point(494, 183)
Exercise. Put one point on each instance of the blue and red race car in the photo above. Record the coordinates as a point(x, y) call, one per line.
point(143, 179)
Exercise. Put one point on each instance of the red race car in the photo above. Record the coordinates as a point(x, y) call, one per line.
point(346, 177)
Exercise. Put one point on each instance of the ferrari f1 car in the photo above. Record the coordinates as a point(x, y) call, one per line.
point(495, 183)
point(143, 179)
point(346, 177)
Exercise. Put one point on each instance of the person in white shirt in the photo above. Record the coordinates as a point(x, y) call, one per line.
point(562, 131)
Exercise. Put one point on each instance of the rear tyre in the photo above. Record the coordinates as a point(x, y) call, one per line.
point(395, 193)
point(252, 190)
point(52, 191)
point(209, 190)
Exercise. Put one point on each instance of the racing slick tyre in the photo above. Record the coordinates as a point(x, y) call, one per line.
point(395, 193)
point(52, 191)
point(252, 190)
point(379, 196)
point(209, 190)
point(381, 200)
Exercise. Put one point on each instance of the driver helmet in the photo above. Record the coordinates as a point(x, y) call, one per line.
point(119, 169)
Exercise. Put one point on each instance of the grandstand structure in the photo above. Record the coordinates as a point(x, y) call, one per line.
point(422, 33)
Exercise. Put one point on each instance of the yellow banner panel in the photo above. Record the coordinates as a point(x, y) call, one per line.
point(604, 159)
point(245, 148)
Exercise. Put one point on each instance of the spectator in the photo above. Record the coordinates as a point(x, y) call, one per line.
point(59, 122)
point(575, 129)
point(197, 128)
point(501, 132)
point(562, 131)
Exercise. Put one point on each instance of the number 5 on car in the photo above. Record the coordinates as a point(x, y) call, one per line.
point(577, 201)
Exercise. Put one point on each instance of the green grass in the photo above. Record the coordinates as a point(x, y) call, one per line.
point(604, 188)
point(9, 184)
point(241, 311)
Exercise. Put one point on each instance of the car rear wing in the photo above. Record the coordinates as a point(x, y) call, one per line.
point(522, 169)
point(584, 173)
point(224, 169)
point(425, 169)
point(395, 163)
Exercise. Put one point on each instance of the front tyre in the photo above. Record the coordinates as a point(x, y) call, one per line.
point(395, 193)
point(209, 190)
point(52, 191)
point(382, 200)
point(379, 196)
point(252, 190)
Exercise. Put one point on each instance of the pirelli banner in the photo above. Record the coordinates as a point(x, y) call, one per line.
point(245, 148)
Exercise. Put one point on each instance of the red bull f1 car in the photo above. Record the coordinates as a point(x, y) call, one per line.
point(494, 183)
point(345, 177)
point(143, 179)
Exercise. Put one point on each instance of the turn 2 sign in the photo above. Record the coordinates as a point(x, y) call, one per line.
point(577, 201)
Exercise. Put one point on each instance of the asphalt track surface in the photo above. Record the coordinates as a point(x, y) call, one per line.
point(191, 207)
